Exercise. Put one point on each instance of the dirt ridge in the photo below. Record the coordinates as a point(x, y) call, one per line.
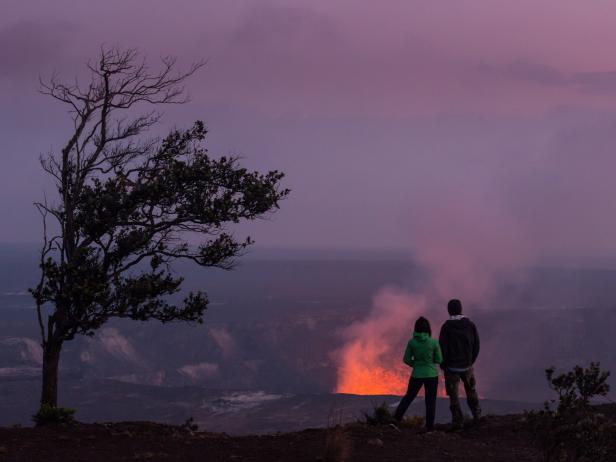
point(498, 438)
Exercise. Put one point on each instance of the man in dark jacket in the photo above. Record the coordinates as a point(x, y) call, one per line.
point(460, 346)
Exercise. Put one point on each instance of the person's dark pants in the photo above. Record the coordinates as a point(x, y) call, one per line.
point(430, 388)
point(452, 382)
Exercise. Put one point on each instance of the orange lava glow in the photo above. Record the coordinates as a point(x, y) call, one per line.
point(377, 380)
point(364, 379)
point(370, 362)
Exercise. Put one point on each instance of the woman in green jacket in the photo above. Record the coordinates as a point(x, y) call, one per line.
point(422, 353)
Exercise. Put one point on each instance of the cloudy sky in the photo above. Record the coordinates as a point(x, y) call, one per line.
point(483, 126)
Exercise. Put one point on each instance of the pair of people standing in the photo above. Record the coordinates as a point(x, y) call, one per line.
point(455, 351)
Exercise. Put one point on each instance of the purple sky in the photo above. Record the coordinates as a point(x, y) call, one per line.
point(452, 127)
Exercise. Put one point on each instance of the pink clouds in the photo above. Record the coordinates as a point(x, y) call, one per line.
point(381, 113)
point(200, 371)
point(223, 340)
point(348, 58)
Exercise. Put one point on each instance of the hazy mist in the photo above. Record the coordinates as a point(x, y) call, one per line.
point(478, 133)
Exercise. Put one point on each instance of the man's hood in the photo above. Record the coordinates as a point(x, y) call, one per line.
point(461, 323)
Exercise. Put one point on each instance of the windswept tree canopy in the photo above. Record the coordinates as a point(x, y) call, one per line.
point(127, 204)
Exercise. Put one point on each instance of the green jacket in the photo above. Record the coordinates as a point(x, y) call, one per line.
point(423, 353)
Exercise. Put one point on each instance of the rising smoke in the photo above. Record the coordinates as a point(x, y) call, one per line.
point(475, 232)
point(370, 361)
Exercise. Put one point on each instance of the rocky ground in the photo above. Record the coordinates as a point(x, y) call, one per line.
point(499, 438)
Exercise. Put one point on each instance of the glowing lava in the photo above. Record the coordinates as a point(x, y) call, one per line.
point(370, 362)
point(361, 373)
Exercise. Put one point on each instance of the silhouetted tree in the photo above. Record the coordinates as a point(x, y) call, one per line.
point(126, 205)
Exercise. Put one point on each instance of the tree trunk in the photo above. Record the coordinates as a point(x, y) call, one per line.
point(51, 361)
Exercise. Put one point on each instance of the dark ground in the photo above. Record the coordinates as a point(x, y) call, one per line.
point(499, 438)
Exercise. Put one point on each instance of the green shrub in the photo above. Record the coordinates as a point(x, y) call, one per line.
point(189, 425)
point(381, 415)
point(54, 415)
point(569, 428)
point(577, 387)
point(413, 421)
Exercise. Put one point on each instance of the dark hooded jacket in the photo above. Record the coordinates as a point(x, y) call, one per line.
point(459, 343)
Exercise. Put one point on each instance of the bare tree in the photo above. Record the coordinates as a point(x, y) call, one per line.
point(126, 204)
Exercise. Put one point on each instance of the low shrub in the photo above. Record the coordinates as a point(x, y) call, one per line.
point(380, 415)
point(190, 425)
point(54, 415)
point(569, 428)
point(413, 421)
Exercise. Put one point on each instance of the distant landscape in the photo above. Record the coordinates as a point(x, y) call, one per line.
point(264, 360)
point(321, 231)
